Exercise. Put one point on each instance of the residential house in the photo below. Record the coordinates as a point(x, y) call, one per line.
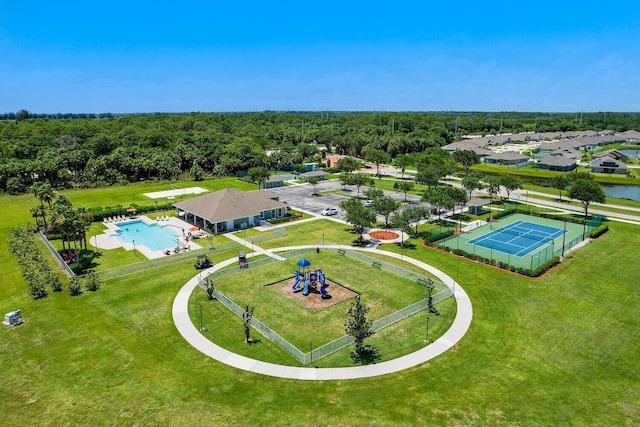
point(607, 165)
point(557, 163)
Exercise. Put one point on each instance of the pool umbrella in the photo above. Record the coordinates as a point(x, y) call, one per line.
point(303, 263)
point(131, 210)
point(194, 229)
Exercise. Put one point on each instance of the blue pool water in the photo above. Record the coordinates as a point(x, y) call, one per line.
point(153, 236)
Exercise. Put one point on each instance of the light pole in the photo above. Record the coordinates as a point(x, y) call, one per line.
point(323, 240)
point(134, 247)
point(311, 349)
point(201, 327)
point(427, 329)
point(564, 234)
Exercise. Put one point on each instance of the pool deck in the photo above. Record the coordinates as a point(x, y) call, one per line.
point(104, 240)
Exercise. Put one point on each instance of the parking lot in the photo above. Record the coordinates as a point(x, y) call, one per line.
point(299, 197)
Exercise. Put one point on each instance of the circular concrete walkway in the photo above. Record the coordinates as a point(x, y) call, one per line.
point(457, 330)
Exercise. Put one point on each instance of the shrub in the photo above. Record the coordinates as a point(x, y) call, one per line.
point(74, 285)
point(92, 282)
point(598, 231)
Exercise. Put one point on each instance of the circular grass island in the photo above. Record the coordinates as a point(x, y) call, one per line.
point(387, 285)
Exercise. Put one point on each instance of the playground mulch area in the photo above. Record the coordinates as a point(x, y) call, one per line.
point(313, 302)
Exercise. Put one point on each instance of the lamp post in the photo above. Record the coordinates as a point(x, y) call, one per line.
point(311, 350)
point(564, 234)
point(134, 247)
point(201, 327)
point(323, 240)
point(427, 330)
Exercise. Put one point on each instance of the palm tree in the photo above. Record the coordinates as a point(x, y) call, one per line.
point(84, 222)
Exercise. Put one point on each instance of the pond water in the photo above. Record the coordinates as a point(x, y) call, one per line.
point(631, 153)
point(631, 192)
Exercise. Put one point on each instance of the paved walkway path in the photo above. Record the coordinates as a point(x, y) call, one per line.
point(457, 330)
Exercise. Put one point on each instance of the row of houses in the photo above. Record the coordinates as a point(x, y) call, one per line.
point(558, 155)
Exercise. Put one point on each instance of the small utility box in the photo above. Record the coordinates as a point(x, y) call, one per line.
point(13, 318)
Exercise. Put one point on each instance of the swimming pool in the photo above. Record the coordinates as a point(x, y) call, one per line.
point(153, 236)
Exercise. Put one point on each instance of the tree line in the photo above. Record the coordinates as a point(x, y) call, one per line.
point(96, 150)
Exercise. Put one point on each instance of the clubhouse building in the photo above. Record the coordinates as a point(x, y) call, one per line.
point(231, 209)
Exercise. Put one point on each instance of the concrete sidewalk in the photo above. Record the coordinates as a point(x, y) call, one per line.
point(457, 330)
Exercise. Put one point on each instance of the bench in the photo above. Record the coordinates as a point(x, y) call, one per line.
point(342, 252)
point(376, 264)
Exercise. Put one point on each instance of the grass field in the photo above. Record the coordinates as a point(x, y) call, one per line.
point(561, 349)
point(382, 291)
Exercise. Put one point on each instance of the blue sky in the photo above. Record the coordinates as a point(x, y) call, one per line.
point(161, 56)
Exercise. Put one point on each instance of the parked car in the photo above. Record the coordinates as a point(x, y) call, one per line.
point(329, 211)
point(368, 203)
point(203, 262)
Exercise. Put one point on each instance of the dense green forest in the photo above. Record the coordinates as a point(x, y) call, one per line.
point(87, 150)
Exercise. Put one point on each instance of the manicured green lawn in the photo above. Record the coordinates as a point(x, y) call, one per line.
point(561, 349)
point(383, 292)
point(134, 193)
point(311, 233)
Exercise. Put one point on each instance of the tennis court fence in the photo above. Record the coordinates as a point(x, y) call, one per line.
point(554, 248)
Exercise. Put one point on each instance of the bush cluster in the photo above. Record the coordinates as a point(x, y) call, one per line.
point(520, 270)
point(35, 267)
point(598, 231)
point(99, 213)
point(289, 217)
point(36, 270)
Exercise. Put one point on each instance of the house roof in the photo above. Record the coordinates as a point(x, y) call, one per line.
point(230, 204)
point(560, 161)
point(507, 155)
point(610, 163)
point(274, 178)
point(616, 154)
point(569, 152)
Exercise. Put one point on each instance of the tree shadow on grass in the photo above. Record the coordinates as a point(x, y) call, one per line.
point(369, 354)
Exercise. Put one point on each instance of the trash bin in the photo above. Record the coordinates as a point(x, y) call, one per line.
point(317, 249)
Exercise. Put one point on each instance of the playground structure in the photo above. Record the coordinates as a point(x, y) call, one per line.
point(309, 279)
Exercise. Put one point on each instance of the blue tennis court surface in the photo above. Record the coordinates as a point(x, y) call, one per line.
point(519, 238)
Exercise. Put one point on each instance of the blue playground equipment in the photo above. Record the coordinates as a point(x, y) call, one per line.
point(308, 280)
point(298, 281)
point(325, 285)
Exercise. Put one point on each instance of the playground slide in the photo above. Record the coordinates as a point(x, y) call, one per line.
point(305, 291)
point(297, 284)
point(323, 290)
point(325, 285)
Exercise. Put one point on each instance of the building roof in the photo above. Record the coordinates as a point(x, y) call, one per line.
point(569, 152)
point(477, 202)
point(230, 204)
point(508, 155)
point(607, 162)
point(274, 178)
point(616, 154)
point(313, 173)
point(558, 161)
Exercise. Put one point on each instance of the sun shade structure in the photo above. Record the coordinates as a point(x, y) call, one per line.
point(303, 263)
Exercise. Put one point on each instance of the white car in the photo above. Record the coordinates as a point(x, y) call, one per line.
point(368, 203)
point(329, 211)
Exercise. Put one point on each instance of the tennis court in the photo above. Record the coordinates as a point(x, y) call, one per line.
point(519, 238)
